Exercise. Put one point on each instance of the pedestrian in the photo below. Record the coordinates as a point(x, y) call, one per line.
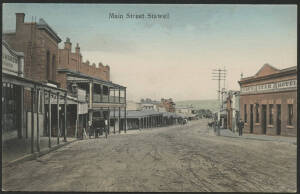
point(106, 127)
point(92, 128)
point(241, 126)
point(218, 128)
point(214, 125)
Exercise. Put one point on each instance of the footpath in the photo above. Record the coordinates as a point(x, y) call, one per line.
point(18, 150)
point(229, 133)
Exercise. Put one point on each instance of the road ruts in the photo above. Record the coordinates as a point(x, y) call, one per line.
point(176, 158)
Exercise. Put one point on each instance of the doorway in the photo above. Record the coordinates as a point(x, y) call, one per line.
point(263, 118)
point(251, 118)
point(278, 119)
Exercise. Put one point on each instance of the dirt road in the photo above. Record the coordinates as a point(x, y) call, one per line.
point(177, 158)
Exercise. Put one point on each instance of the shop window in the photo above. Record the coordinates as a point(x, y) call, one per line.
point(290, 114)
point(271, 114)
point(257, 113)
point(10, 108)
point(245, 113)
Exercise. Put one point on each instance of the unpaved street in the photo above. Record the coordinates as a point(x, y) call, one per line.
point(177, 158)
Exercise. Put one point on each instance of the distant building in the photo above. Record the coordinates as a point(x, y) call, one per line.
point(168, 104)
point(268, 101)
point(149, 104)
point(184, 109)
point(187, 112)
point(131, 105)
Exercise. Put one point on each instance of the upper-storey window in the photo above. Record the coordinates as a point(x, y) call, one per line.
point(48, 65)
point(53, 67)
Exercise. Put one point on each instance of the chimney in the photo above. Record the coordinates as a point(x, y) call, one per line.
point(68, 44)
point(77, 49)
point(19, 19)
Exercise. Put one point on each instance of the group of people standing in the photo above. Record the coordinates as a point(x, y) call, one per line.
point(216, 125)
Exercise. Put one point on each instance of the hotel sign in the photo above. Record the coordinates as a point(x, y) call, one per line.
point(270, 87)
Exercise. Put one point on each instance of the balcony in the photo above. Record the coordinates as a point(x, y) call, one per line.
point(107, 99)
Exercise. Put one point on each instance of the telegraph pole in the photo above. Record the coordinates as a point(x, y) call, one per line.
point(219, 75)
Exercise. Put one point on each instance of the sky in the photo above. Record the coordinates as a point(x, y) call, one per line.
point(174, 57)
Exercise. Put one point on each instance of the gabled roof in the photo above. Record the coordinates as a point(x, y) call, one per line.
point(267, 72)
point(266, 69)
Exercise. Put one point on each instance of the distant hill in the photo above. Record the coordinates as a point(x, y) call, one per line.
point(200, 104)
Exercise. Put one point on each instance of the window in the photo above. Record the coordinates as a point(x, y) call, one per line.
point(257, 113)
point(290, 114)
point(245, 113)
point(48, 65)
point(53, 67)
point(271, 114)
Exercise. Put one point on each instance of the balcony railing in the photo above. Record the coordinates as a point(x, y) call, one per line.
point(105, 99)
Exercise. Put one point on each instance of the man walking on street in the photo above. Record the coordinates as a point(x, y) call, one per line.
point(241, 126)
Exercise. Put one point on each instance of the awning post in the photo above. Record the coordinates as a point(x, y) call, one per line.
point(58, 129)
point(38, 120)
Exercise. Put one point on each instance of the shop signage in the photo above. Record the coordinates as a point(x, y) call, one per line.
point(270, 87)
point(11, 63)
point(82, 108)
point(287, 84)
point(81, 95)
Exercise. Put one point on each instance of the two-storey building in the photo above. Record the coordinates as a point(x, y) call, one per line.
point(268, 101)
point(102, 95)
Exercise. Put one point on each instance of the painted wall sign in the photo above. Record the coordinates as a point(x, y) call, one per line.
point(270, 87)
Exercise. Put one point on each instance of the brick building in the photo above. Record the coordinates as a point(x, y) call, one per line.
point(102, 96)
point(73, 61)
point(39, 43)
point(268, 101)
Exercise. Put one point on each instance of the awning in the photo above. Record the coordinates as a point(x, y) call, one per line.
point(135, 114)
